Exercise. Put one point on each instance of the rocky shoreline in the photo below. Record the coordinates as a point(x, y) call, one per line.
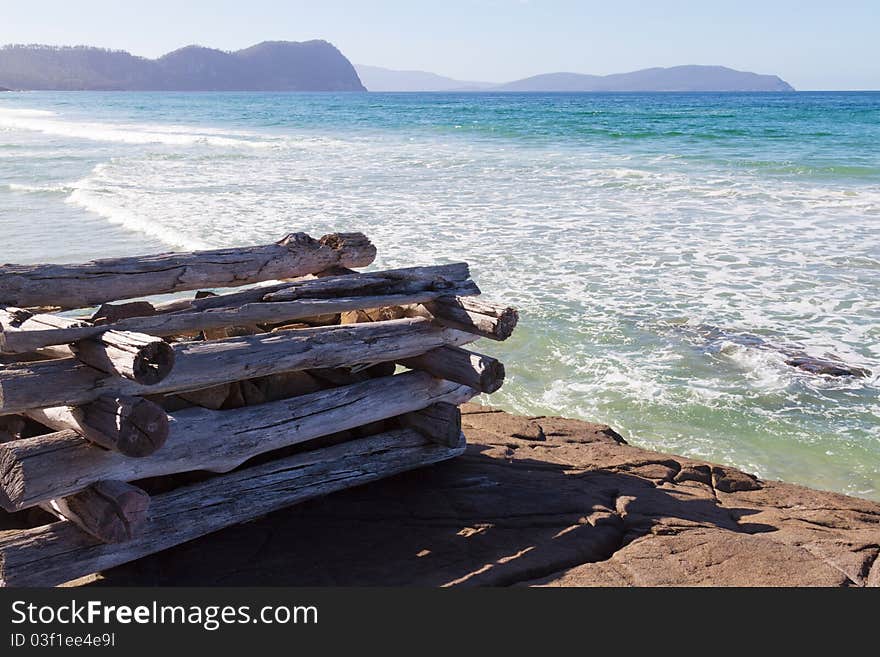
point(548, 502)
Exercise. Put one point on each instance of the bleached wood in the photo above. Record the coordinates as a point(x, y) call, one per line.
point(93, 283)
point(142, 358)
point(110, 511)
point(440, 422)
point(258, 292)
point(57, 553)
point(33, 334)
point(203, 364)
point(131, 426)
point(469, 368)
point(483, 318)
point(37, 469)
point(17, 325)
point(393, 281)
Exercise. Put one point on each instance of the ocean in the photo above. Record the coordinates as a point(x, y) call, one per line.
point(665, 250)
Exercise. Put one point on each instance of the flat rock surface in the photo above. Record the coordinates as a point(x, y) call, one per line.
point(542, 501)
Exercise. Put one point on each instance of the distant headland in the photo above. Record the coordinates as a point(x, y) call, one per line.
point(267, 66)
point(676, 78)
point(317, 66)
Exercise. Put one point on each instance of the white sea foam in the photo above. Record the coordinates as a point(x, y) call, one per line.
point(641, 253)
point(125, 133)
point(94, 203)
point(38, 189)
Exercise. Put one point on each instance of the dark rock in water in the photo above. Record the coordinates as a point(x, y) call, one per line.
point(827, 367)
point(715, 338)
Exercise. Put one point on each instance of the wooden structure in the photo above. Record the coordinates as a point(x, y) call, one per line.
point(139, 424)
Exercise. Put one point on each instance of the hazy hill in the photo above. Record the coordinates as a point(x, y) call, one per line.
point(268, 66)
point(676, 78)
point(376, 78)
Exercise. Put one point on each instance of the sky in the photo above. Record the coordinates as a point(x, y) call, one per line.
point(810, 44)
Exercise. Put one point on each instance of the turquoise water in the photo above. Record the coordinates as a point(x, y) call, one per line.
point(648, 240)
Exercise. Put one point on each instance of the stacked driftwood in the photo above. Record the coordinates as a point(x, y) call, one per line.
point(145, 423)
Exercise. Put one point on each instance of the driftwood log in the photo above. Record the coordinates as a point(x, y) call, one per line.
point(22, 331)
point(144, 359)
point(483, 318)
point(131, 426)
point(469, 368)
point(457, 273)
point(35, 470)
point(57, 553)
point(393, 281)
point(111, 511)
point(440, 422)
point(203, 364)
point(31, 338)
point(94, 283)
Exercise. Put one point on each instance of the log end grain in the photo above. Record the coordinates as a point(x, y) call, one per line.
point(111, 511)
point(153, 363)
point(492, 375)
point(355, 249)
point(507, 321)
point(144, 427)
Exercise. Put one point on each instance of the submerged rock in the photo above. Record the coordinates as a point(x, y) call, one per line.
point(714, 339)
point(827, 367)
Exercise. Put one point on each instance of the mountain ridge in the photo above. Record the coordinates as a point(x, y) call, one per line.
point(378, 78)
point(685, 78)
point(315, 65)
point(690, 77)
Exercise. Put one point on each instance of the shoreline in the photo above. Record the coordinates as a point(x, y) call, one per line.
point(542, 501)
point(658, 341)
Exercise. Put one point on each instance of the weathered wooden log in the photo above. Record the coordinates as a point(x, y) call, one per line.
point(17, 324)
point(393, 281)
point(111, 511)
point(257, 293)
point(93, 283)
point(37, 469)
point(133, 355)
point(469, 368)
point(204, 364)
point(57, 553)
point(439, 422)
point(131, 426)
point(142, 358)
point(17, 336)
point(483, 318)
